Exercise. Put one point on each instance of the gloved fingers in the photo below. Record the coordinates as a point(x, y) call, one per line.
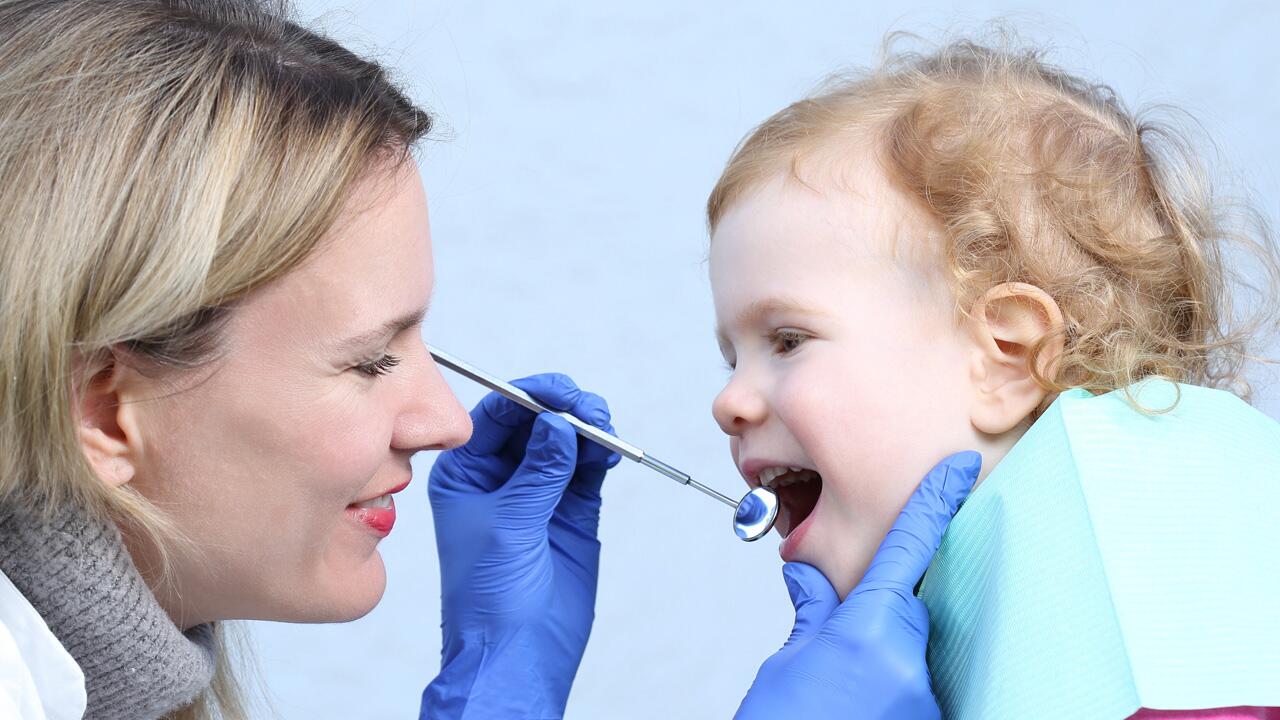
point(460, 471)
point(502, 431)
point(580, 505)
point(555, 390)
point(497, 420)
point(594, 410)
point(594, 460)
point(549, 462)
point(811, 595)
point(910, 545)
point(584, 488)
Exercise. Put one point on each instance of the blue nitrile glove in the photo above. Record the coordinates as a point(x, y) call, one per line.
point(864, 657)
point(516, 511)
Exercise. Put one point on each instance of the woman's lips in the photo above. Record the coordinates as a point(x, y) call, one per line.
point(377, 515)
point(377, 520)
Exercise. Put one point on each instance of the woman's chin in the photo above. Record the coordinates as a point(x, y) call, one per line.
point(361, 591)
point(339, 596)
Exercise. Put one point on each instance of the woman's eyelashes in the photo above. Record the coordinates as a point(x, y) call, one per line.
point(380, 366)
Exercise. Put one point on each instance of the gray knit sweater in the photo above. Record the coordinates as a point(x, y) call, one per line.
point(80, 578)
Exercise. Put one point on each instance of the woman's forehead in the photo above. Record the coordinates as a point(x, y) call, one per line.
point(375, 268)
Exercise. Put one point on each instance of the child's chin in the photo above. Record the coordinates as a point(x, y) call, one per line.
point(836, 563)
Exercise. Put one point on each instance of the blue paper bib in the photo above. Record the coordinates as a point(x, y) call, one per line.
point(1115, 560)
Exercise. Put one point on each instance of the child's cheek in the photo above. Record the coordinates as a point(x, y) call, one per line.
point(835, 424)
point(862, 432)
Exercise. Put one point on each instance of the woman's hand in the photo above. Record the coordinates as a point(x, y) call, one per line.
point(516, 511)
point(865, 657)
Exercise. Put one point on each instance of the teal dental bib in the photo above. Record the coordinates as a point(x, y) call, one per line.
point(1115, 560)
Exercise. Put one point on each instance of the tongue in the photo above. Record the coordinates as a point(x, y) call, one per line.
point(795, 502)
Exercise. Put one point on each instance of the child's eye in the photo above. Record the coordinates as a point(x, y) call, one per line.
point(381, 366)
point(786, 340)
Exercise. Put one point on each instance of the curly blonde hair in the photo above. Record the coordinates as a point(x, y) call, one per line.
point(1037, 176)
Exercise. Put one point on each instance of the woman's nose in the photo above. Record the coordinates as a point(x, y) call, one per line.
point(738, 406)
point(434, 419)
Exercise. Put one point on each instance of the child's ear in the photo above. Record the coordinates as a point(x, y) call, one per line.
point(1005, 323)
point(107, 424)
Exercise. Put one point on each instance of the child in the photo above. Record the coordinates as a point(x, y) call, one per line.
point(920, 260)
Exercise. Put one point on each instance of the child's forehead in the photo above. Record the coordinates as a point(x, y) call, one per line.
point(842, 209)
point(787, 246)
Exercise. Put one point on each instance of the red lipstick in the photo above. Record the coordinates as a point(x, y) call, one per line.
point(374, 514)
point(377, 520)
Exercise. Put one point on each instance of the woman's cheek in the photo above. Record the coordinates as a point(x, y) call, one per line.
point(344, 445)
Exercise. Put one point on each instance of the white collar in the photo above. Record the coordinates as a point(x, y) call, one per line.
point(39, 680)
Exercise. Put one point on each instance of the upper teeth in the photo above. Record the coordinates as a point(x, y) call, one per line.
point(382, 501)
point(769, 476)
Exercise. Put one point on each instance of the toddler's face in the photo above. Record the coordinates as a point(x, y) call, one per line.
point(848, 363)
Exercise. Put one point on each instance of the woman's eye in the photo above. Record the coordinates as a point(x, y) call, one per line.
point(381, 366)
point(786, 341)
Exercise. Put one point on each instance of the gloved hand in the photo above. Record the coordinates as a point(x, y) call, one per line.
point(516, 511)
point(865, 657)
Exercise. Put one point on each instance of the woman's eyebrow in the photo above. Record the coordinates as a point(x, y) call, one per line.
point(390, 328)
point(763, 308)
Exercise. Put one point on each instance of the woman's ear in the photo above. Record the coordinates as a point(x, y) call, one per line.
point(107, 424)
point(1005, 323)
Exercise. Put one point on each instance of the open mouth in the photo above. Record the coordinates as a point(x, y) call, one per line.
point(798, 491)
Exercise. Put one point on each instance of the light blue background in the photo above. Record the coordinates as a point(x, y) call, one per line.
point(567, 214)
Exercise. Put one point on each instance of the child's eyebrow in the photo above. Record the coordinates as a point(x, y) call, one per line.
point(763, 308)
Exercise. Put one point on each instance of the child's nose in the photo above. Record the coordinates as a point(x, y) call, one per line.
point(738, 406)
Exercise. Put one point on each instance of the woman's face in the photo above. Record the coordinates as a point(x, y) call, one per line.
point(324, 392)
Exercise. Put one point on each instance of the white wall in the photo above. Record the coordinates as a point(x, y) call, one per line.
point(567, 220)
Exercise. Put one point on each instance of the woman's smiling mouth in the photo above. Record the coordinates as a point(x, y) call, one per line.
point(377, 514)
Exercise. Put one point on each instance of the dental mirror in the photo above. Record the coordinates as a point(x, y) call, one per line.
point(753, 516)
point(756, 514)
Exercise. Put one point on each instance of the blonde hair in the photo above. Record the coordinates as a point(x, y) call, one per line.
point(159, 159)
point(1037, 176)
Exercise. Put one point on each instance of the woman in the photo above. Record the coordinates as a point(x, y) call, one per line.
point(214, 265)
point(209, 338)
